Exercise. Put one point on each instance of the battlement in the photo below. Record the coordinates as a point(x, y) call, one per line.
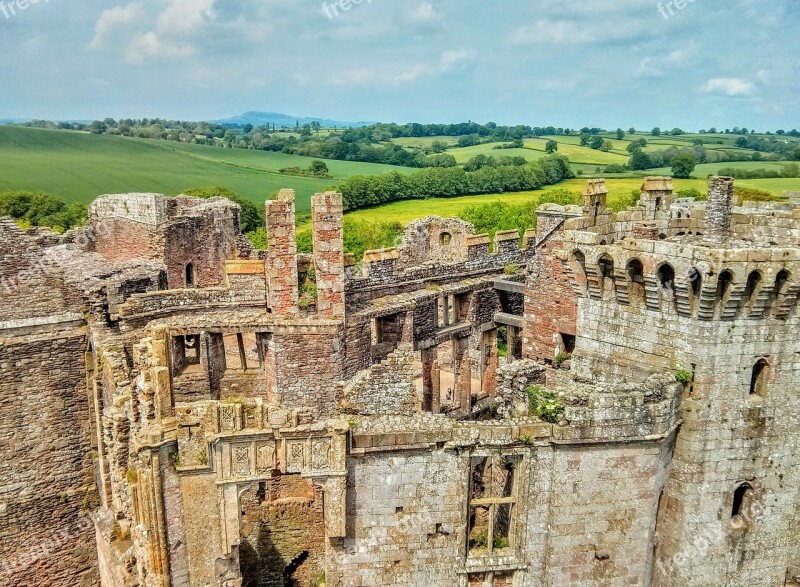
point(716, 262)
point(719, 222)
point(436, 247)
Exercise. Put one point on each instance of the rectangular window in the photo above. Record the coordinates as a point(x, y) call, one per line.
point(491, 506)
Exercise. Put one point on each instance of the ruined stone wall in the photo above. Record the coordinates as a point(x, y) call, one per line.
point(385, 388)
point(406, 520)
point(47, 486)
point(590, 514)
point(728, 437)
point(29, 284)
point(307, 365)
point(283, 533)
point(550, 305)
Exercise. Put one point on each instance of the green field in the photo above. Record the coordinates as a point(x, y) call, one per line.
point(424, 142)
point(78, 167)
point(619, 190)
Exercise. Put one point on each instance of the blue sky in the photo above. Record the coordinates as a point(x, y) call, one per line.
point(568, 63)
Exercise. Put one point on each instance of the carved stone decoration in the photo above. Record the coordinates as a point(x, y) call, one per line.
point(265, 457)
point(241, 460)
point(320, 454)
point(295, 456)
point(227, 417)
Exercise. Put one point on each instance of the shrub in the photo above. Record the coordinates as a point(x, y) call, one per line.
point(683, 377)
point(545, 404)
point(40, 209)
point(562, 358)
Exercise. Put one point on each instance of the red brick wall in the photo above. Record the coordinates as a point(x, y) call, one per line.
point(551, 307)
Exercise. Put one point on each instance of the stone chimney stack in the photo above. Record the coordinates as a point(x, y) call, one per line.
point(594, 199)
point(282, 254)
point(327, 216)
point(656, 196)
point(718, 210)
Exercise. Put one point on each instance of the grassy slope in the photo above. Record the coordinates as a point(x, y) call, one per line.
point(79, 167)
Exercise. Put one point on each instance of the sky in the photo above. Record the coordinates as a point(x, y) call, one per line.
point(570, 63)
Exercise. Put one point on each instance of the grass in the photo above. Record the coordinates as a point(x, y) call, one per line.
point(78, 167)
point(424, 142)
point(578, 154)
point(619, 191)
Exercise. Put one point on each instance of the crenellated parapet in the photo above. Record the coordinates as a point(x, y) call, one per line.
point(435, 248)
point(710, 275)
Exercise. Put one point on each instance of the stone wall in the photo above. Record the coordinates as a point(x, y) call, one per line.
point(385, 388)
point(405, 521)
point(550, 305)
point(46, 475)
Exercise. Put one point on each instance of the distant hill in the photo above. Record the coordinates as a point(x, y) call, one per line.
point(261, 118)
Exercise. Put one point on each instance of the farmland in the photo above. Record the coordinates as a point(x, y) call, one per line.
point(78, 167)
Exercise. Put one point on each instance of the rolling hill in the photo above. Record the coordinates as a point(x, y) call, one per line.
point(78, 167)
point(287, 120)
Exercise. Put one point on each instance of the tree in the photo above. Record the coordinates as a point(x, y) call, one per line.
point(97, 127)
point(596, 142)
point(620, 134)
point(584, 139)
point(318, 167)
point(656, 132)
point(639, 161)
point(438, 146)
point(676, 132)
point(631, 131)
point(682, 165)
point(741, 142)
point(607, 146)
point(551, 147)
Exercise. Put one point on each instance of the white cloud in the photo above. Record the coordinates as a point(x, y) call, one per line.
point(175, 30)
point(448, 62)
point(423, 13)
point(552, 31)
point(728, 86)
point(112, 19)
point(657, 66)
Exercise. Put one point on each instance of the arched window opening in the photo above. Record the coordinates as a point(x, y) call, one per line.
point(695, 286)
point(752, 289)
point(606, 269)
point(578, 265)
point(780, 282)
point(666, 277)
point(636, 279)
point(190, 275)
point(724, 281)
point(445, 239)
point(758, 379)
point(742, 499)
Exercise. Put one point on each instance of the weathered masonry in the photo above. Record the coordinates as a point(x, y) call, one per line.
point(607, 400)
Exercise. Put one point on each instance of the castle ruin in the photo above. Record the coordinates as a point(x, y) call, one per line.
point(606, 400)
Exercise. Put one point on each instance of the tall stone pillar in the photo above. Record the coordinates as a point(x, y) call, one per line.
point(462, 377)
point(327, 215)
point(718, 210)
point(490, 361)
point(282, 254)
point(428, 367)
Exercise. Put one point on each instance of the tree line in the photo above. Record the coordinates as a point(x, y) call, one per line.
point(361, 191)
